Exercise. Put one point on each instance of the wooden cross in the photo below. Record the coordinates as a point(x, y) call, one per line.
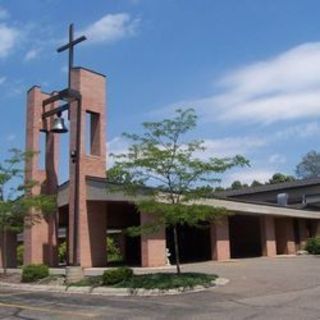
point(70, 46)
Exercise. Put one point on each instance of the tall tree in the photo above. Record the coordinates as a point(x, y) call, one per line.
point(236, 185)
point(165, 160)
point(16, 200)
point(280, 178)
point(309, 166)
point(256, 183)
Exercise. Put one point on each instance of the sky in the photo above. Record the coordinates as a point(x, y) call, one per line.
point(250, 69)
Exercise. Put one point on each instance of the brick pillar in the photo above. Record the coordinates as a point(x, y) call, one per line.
point(285, 236)
point(303, 233)
point(11, 252)
point(153, 246)
point(91, 247)
point(40, 240)
point(291, 246)
point(268, 236)
point(220, 244)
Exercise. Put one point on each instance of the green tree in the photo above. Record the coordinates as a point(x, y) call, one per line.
point(162, 158)
point(309, 166)
point(256, 183)
point(280, 178)
point(16, 199)
point(236, 185)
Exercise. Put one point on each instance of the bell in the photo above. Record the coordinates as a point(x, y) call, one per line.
point(59, 126)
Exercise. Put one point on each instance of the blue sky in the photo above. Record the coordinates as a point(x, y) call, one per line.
point(251, 69)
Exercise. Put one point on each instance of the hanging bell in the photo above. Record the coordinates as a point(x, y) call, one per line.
point(59, 126)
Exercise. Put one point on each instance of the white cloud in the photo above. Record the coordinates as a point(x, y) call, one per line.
point(116, 146)
point(301, 131)
point(247, 175)
point(32, 54)
point(230, 146)
point(11, 137)
point(224, 147)
point(111, 27)
point(4, 14)
point(8, 38)
point(285, 87)
point(277, 159)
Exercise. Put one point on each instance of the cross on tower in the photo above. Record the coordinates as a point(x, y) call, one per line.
point(70, 46)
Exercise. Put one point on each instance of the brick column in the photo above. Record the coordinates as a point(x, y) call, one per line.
point(11, 252)
point(268, 236)
point(40, 240)
point(92, 222)
point(220, 244)
point(153, 246)
point(291, 246)
point(285, 236)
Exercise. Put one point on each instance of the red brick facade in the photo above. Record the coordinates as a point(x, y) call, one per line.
point(153, 246)
point(40, 240)
point(92, 88)
point(220, 244)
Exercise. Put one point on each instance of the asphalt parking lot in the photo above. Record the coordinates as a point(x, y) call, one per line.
point(262, 288)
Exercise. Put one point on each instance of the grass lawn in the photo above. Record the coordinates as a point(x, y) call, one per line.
point(161, 281)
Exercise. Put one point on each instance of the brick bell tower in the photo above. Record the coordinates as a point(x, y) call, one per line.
point(40, 240)
point(85, 102)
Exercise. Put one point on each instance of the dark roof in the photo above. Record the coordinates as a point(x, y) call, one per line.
point(299, 206)
point(270, 187)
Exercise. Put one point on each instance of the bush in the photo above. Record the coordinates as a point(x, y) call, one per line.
point(62, 252)
point(113, 250)
point(313, 245)
point(114, 276)
point(20, 250)
point(165, 281)
point(34, 272)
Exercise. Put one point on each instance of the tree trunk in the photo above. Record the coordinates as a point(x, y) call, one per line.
point(176, 249)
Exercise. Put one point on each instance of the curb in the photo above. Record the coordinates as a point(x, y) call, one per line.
point(115, 292)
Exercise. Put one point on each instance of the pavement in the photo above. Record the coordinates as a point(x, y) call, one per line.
point(261, 288)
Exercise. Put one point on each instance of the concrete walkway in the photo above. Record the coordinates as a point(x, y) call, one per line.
point(285, 288)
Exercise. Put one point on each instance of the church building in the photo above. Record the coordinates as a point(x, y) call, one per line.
point(266, 221)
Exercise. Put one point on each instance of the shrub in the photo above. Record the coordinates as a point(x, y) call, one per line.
point(165, 281)
point(313, 245)
point(34, 272)
point(62, 252)
point(114, 276)
point(20, 250)
point(113, 250)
